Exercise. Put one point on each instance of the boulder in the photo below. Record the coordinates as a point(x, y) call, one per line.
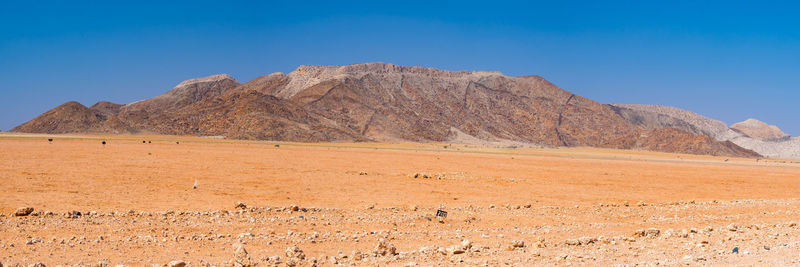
point(23, 211)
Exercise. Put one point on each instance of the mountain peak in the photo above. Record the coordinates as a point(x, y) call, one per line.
point(759, 130)
point(212, 78)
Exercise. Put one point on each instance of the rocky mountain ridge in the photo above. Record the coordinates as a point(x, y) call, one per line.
point(387, 103)
point(768, 141)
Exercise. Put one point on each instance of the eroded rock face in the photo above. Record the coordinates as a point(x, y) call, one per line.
point(760, 130)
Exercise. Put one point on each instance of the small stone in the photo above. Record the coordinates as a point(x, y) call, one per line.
point(466, 244)
point(736, 250)
point(241, 257)
point(295, 252)
point(517, 243)
point(586, 240)
point(384, 248)
point(23, 211)
point(240, 205)
point(456, 249)
point(176, 263)
point(652, 232)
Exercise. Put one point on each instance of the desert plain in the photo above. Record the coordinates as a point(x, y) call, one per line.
point(215, 202)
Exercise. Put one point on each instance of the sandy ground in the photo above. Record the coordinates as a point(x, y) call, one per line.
point(335, 202)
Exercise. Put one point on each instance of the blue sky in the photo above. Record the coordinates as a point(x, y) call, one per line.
point(728, 60)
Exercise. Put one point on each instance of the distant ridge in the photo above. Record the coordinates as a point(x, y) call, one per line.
point(388, 103)
point(760, 130)
point(752, 134)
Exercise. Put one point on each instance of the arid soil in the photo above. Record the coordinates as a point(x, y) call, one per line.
point(204, 202)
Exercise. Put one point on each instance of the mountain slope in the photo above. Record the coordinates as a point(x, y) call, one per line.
point(390, 103)
point(760, 130)
point(779, 148)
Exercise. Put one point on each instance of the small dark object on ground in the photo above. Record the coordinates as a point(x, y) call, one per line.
point(766, 247)
point(441, 213)
point(144, 142)
point(50, 140)
point(277, 145)
point(177, 143)
point(736, 250)
point(104, 142)
point(149, 142)
point(428, 218)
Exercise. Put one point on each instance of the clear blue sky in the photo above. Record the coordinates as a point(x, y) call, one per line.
point(728, 60)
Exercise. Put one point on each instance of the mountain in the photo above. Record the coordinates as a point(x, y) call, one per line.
point(72, 117)
point(391, 103)
point(647, 116)
point(760, 130)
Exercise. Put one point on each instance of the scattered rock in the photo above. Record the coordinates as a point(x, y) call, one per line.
point(384, 248)
point(23, 211)
point(176, 263)
point(294, 252)
point(240, 205)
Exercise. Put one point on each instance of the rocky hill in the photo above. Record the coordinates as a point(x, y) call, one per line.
point(389, 103)
point(760, 130)
point(769, 143)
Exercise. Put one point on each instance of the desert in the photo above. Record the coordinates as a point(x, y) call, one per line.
point(414, 133)
point(209, 202)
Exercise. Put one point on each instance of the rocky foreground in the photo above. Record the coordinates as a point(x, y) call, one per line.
point(761, 232)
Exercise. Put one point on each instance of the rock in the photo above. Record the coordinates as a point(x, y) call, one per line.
point(639, 233)
point(241, 257)
point(586, 240)
point(384, 248)
point(466, 244)
point(517, 244)
point(736, 250)
point(240, 205)
point(294, 252)
point(176, 263)
point(456, 249)
point(38, 264)
point(274, 260)
point(356, 255)
point(23, 211)
point(652, 232)
point(732, 227)
point(572, 242)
